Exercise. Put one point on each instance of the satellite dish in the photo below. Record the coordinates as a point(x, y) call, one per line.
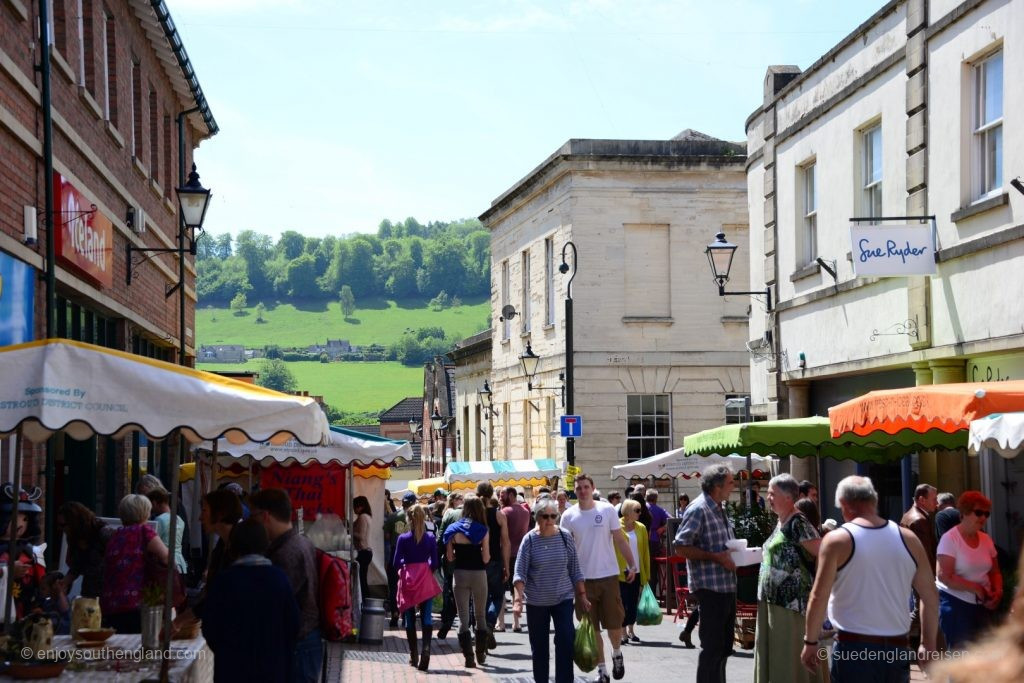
point(508, 312)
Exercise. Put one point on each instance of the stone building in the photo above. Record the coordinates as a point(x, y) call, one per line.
point(472, 369)
point(910, 115)
point(656, 350)
point(119, 77)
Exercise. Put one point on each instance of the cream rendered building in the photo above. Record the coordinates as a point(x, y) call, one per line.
point(656, 350)
point(913, 114)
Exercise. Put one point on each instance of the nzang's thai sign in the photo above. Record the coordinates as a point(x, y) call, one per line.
point(85, 238)
point(893, 250)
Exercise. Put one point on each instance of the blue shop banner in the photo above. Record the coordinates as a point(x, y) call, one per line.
point(17, 299)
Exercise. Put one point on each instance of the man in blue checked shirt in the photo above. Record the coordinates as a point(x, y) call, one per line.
point(711, 573)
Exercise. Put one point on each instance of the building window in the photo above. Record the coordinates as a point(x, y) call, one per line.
point(87, 47)
point(648, 425)
point(525, 310)
point(59, 21)
point(549, 281)
point(506, 324)
point(988, 125)
point(648, 272)
point(871, 182)
point(154, 137)
point(168, 158)
point(809, 186)
point(136, 109)
point(109, 47)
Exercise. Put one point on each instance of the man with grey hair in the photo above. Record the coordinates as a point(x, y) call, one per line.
point(711, 573)
point(866, 570)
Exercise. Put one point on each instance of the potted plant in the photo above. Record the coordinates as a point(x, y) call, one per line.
point(152, 615)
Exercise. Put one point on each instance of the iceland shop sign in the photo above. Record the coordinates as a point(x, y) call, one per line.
point(85, 238)
point(893, 250)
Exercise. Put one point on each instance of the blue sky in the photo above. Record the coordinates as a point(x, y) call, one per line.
point(337, 114)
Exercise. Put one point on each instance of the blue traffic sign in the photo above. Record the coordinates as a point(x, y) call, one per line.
point(572, 426)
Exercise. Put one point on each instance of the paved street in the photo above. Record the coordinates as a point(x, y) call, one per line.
point(660, 653)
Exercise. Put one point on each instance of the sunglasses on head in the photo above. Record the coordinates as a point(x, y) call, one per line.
point(548, 516)
point(982, 513)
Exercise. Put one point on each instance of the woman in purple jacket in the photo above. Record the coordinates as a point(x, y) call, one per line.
point(416, 561)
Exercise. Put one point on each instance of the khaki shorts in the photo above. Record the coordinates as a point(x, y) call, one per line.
point(605, 602)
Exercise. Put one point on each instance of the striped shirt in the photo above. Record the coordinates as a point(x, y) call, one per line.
point(706, 526)
point(548, 567)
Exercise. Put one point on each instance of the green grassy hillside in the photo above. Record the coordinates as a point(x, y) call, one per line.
point(350, 387)
point(300, 325)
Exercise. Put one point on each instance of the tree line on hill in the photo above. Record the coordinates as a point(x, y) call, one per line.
point(404, 260)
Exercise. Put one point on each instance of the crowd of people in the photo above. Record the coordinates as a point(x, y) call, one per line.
point(856, 600)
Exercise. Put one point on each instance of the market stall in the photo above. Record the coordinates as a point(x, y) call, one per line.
point(320, 479)
point(84, 390)
point(504, 472)
point(678, 463)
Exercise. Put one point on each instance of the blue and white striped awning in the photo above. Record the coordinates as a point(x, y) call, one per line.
point(505, 472)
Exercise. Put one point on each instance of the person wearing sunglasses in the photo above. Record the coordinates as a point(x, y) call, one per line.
point(547, 575)
point(969, 582)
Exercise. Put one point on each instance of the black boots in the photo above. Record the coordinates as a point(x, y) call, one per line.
point(684, 637)
point(425, 653)
point(410, 635)
point(445, 627)
point(481, 645)
point(466, 643)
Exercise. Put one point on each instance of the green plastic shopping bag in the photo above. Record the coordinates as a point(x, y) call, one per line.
point(584, 648)
point(648, 611)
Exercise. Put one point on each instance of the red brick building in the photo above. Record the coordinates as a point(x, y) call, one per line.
point(119, 79)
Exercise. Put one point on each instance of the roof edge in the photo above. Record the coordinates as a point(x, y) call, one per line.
point(163, 15)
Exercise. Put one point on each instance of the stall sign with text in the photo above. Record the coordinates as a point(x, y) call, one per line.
point(317, 489)
point(892, 250)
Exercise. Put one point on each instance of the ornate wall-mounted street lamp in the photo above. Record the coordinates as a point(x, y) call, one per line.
point(720, 254)
point(530, 361)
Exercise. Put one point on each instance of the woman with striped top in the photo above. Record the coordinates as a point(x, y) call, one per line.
point(546, 573)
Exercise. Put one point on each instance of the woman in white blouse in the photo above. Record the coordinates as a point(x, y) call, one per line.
point(967, 574)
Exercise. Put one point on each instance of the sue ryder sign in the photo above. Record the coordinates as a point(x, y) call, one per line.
point(892, 250)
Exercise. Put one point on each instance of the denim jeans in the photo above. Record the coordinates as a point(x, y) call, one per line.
point(859, 662)
point(538, 620)
point(960, 621)
point(426, 615)
point(307, 658)
point(717, 622)
point(495, 590)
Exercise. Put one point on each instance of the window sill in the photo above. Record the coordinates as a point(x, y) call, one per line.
point(169, 205)
point(157, 189)
point(112, 132)
point(647, 320)
point(525, 334)
point(62, 65)
point(90, 102)
point(506, 341)
point(734, 319)
point(139, 168)
point(548, 327)
point(19, 9)
point(980, 206)
point(807, 271)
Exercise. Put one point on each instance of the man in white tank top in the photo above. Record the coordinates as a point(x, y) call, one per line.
point(866, 570)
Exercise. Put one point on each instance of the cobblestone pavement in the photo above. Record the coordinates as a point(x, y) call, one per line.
point(659, 655)
point(659, 658)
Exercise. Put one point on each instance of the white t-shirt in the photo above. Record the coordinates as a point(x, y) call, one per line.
point(972, 564)
point(592, 530)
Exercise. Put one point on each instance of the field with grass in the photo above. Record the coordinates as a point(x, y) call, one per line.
point(300, 325)
point(350, 387)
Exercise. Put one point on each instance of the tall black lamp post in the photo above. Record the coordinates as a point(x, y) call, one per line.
point(720, 253)
point(570, 443)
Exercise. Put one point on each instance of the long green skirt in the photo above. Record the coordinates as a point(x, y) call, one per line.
point(777, 646)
